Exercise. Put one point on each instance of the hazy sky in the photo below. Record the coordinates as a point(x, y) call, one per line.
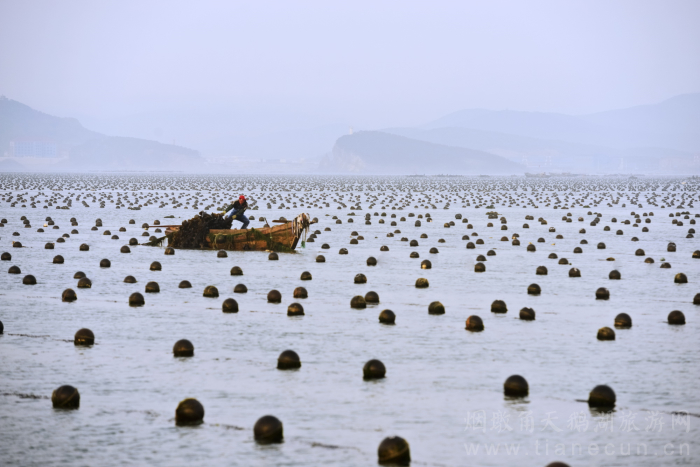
point(377, 63)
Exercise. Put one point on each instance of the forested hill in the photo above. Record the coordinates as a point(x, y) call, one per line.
point(378, 152)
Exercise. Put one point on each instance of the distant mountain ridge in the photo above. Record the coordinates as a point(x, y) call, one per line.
point(672, 124)
point(379, 152)
point(83, 148)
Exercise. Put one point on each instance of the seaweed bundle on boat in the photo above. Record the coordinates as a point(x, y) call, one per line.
point(194, 232)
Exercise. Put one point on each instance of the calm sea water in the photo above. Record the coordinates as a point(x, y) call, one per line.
point(443, 391)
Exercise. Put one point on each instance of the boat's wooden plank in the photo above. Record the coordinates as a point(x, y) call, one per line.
point(242, 241)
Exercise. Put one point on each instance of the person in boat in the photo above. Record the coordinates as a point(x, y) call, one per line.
point(238, 209)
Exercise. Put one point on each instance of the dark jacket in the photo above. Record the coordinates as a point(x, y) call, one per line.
point(238, 205)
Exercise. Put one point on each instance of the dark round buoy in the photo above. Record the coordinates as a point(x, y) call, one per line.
point(426, 264)
point(125, 249)
point(371, 297)
point(360, 279)
point(358, 301)
point(384, 248)
point(680, 278)
point(18, 244)
point(29, 280)
point(557, 464)
point(320, 259)
point(516, 386)
point(273, 256)
point(134, 242)
point(602, 396)
point(49, 246)
point(374, 369)
point(84, 283)
point(236, 271)
point(84, 337)
point(6, 257)
point(665, 266)
point(422, 283)
point(274, 296)
point(499, 306)
point(602, 294)
point(474, 324)
point(696, 299)
point(623, 321)
point(306, 276)
point(676, 317)
point(394, 450)
point(152, 287)
point(14, 270)
point(574, 272)
point(295, 309)
point(268, 429)
point(105, 263)
point(184, 285)
point(534, 289)
point(221, 254)
point(288, 360)
point(531, 247)
point(183, 348)
point(527, 314)
point(84, 247)
point(130, 280)
point(229, 306)
point(601, 246)
point(65, 397)
point(136, 299)
point(155, 266)
point(696, 254)
point(189, 412)
point(387, 317)
point(2, 327)
point(211, 291)
point(541, 271)
point(371, 261)
point(479, 267)
point(240, 288)
point(79, 275)
point(615, 275)
point(169, 251)
point(606, 334)
point(300, 292)
point(436, 308)
point(552, 256)
point(68, 295)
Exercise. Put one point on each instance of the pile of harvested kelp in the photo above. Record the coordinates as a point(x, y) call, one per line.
point(194, 232)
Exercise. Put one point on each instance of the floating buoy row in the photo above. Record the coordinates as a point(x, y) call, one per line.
point(399, 196)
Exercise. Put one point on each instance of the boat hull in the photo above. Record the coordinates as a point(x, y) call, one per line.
point(276, 238)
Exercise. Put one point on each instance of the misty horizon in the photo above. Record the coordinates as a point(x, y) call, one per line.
point(285, 82)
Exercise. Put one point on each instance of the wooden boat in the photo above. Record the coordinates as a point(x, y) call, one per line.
point(283, 237)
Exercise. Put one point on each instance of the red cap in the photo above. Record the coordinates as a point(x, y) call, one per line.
point(241, 197)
